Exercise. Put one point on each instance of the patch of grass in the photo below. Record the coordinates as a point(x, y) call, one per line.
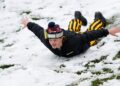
point(98, 60)
point(97, 72)
point(117, 40)
point(99, 82)
point(83, 79)
point(107, 62)
point(88, 65)
point(118, 76)
point(1, 40)
point(107, 70)
point(36, 18)
point(6, 66)
point(96, 82)
point(58, 71)
point(109, 78)
point(18, 30)
point(73, 84)
point(25, 12)
point(79, 72)
point(119, 68)
point(117, 56)
point(62, 66)
point(9, 45)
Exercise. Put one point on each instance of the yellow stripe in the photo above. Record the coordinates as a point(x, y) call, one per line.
point(89, 28)
point(74, 25)
point(99, 26)
point(45, 34)
point(93, 42)
point(78, 26)
point(92, 27)
point(70, 26)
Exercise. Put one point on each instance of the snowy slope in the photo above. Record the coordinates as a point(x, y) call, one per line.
point(32, 64)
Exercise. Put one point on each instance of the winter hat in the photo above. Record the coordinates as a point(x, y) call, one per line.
point(54, 31)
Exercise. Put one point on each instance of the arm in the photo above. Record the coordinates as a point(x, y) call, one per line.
point(35, 28)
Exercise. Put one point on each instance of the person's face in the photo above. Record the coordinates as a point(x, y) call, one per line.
point(56, 42)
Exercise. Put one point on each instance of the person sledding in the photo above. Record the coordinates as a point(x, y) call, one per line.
point(63, 42)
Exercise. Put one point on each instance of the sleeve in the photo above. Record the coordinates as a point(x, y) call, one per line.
point(37, 30)
point(93, 35)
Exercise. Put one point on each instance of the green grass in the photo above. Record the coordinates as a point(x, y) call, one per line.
point(99, 82)
point(36, 18)
point(9, 45)
point(88, 65)
point(62, 66)
point(79, 72)
point(18, 30)
point(117, 40)
point(1, 40)
point(73, 84)
point(6, 66)
point(119, 68)
point(117, 56)
point(99, 60)
point(25, 12)
point(107, 70)
point(118, 76)
point(97, 72)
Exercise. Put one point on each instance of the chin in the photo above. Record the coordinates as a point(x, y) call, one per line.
point(54, 47)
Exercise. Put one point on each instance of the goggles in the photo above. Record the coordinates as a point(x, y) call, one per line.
point(55, 35)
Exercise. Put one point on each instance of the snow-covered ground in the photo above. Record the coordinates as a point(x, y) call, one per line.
point(32, 64)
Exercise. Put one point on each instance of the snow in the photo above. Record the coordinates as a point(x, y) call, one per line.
point(34, 64)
